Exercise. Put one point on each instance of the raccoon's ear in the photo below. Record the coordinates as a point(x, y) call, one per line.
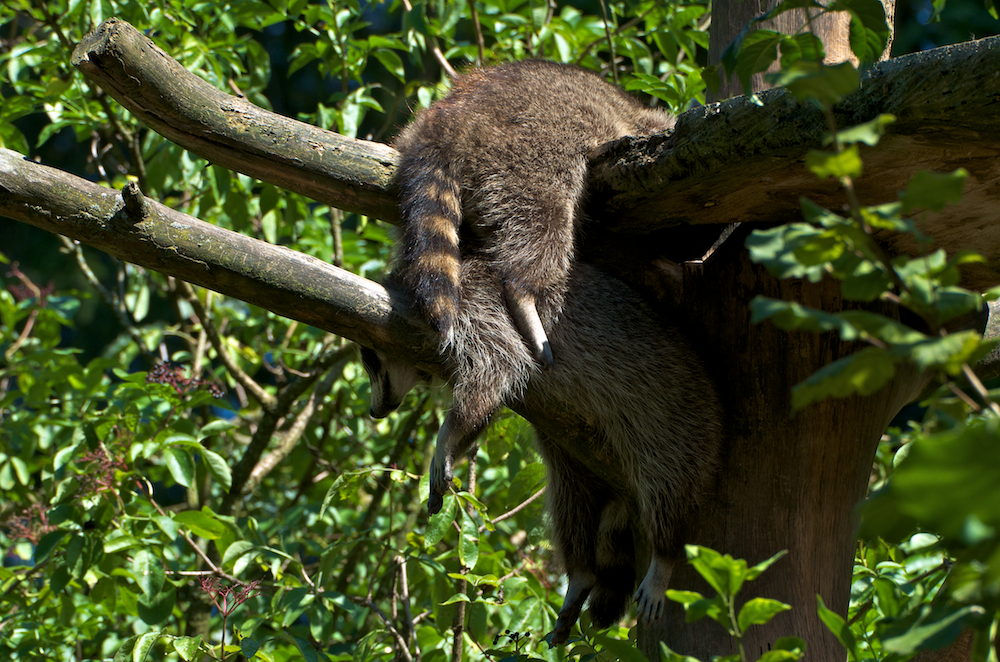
point(370, 362)
point(390, 380)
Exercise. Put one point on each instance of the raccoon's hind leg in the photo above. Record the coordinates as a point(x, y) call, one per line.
point(575, 500)
point(525, 315)
point(531, 246)
point(651, 594)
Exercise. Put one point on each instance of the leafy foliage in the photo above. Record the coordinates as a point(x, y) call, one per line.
point(206, 480)
point(208, 483)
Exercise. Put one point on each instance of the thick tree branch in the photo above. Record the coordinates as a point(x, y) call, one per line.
point(354, 175)
point(725, 162)
point(151, 235)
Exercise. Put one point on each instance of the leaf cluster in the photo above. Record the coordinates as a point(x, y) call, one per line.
point(128, 484)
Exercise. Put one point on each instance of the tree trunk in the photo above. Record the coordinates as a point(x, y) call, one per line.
point(785, 482)
point(730, 16)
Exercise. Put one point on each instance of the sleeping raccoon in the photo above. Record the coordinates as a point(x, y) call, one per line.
point(499, 167)
point(634, 381)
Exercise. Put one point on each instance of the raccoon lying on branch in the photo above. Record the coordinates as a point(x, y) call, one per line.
point(497, 169)
point(633, 380)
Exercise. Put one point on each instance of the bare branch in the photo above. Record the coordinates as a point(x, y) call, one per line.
point(354, 175)
point(275, 278)
point(726, 162)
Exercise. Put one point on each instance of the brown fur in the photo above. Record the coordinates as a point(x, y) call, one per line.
point(503, 158)
point(629, 377)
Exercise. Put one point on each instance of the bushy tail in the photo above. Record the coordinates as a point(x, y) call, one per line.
point(431, 206)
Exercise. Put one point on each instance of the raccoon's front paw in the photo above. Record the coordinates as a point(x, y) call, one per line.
point(567, 617)
point(442, 474)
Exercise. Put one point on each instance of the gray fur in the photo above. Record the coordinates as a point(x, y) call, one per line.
point(500, 165)
point(633, 380)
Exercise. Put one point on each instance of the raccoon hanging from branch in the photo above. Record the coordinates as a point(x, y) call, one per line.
point(497, 169)
point(630, 378)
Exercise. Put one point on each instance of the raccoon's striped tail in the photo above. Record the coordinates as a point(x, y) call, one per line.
point(431, 207)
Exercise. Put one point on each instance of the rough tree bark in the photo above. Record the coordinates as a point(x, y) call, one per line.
point(728, 18)
point(786, 482)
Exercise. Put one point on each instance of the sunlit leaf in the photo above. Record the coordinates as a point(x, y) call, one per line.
point(758, 611)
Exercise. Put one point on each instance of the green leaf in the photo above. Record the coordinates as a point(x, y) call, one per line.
point(468, 544)
point(144, 644)
point(667, 655)
point(793, 316)
point(237, 551)
point(780, 250)
point(218, 467)
point(868, 133)
point(933, 190)
point(49, 542)
point(861, 373)
point(846, 163)
point(249, 647)
point(148, 572)
point(757, 52)
point(759, 611)
point(804, 46)
point(187, 647)
point(949, 352)
point(927, 629)
point(309, 653)
point(945, 478)
point(438, 525)
point(202, 523)
point(124, 652)
point(624, 651)
point(345, 487)
point(755, 571)
point(458, 597)
point(180, 464)
point(780, 656)
point(158, 608)
point(868, 32)
point(392, 63)
point(836, 624)
point(526, 613)
point(526, 482)
point(811, 80)
point(881, 327)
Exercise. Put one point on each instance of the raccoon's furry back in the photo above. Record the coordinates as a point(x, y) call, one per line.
point(499, 166)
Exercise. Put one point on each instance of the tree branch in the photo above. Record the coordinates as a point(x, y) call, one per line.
point(278, 279)
point(353, 175)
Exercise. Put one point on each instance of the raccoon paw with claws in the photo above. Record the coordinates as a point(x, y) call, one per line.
point(442, 473)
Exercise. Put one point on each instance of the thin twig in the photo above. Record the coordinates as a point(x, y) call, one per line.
point(367, 602)
point(266, 400)
point(113, 302)
point(611, 42)
point(515, 510)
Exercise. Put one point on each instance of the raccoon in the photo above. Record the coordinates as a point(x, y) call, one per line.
point(632, 379)
point(497, 169)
